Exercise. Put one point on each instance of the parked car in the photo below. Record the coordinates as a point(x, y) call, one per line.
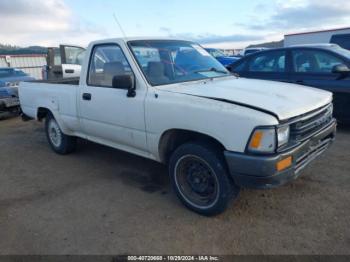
point(9, 80)
point(324, 66)
point(9, 103)
point(170, 101)
point(221, 57)
point(10, 77)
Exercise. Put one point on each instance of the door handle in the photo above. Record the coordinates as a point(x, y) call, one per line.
point(87, 96)
point(69, 71)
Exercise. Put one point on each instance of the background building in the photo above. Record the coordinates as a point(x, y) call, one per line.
point(315, 37)
point(30, 64)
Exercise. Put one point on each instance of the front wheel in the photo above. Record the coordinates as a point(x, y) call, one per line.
point(59, 142)
point(200, 179)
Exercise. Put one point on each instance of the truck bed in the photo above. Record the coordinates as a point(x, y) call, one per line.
point(59, 96)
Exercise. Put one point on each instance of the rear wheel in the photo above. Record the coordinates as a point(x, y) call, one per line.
point(59, 142)
point(200, 179)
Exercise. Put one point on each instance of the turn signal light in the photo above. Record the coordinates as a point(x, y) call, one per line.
point(256, 139)
point(284, 164)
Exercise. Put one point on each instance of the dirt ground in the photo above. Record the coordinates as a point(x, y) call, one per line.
point(104, 201)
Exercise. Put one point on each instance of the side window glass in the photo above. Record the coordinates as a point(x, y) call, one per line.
point(314, 61)
point(57, 57)
point(74, 55)
point(268, 62)
point(107, 61)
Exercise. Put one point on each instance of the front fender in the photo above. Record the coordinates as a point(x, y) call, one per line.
point(229, 124)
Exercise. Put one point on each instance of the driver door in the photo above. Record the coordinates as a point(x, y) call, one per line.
point(108, 116)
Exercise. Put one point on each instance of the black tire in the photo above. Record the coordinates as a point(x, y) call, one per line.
point(62, 144)
point(200, 178)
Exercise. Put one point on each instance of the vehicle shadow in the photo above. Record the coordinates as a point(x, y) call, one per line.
point(147, 175)
point(7, 115)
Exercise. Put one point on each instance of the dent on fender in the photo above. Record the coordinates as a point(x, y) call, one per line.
point(239, 104)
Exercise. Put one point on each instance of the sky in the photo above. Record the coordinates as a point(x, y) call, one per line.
point(220, 23)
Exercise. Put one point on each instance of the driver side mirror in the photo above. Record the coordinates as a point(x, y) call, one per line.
point(125, 82)
point(340, 69)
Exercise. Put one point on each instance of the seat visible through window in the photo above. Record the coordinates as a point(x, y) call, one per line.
point(107, 62)
point(111, 70)
point(156, 72)
point(314, 61)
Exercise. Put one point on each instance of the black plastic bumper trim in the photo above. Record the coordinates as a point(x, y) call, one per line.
point(260, 171)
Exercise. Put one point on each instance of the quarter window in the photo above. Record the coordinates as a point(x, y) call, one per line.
point(314, 61)
point(268, 62)
point(107, 61)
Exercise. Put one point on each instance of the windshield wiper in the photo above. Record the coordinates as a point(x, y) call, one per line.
point(213, 69)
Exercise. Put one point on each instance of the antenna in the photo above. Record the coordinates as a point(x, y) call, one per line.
point(119, 25)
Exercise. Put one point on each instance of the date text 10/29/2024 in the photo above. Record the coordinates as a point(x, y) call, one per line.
point(173, 258)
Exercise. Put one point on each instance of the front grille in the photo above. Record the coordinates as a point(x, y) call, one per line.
point(311, 154)
point(310, 124)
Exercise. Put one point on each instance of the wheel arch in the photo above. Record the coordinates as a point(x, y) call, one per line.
point(42, 113)
point(173, 138)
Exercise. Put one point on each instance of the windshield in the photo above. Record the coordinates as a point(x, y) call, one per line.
point(10, 72)
point(170, 61)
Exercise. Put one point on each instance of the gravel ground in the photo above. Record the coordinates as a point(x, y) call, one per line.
point(104, 201)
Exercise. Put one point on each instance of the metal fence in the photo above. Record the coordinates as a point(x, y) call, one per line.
point(30, 64)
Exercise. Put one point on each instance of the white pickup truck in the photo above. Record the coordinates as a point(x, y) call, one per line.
point(171, 101)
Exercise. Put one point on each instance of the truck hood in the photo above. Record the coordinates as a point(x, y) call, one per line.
point(280, 99)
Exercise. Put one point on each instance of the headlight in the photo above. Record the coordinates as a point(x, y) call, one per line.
point(266, 140)
point(263, 140)
point(283, 135)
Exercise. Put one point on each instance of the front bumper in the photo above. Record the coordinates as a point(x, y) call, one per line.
point(260, 171)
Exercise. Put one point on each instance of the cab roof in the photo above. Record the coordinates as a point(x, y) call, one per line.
point(127, 39)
